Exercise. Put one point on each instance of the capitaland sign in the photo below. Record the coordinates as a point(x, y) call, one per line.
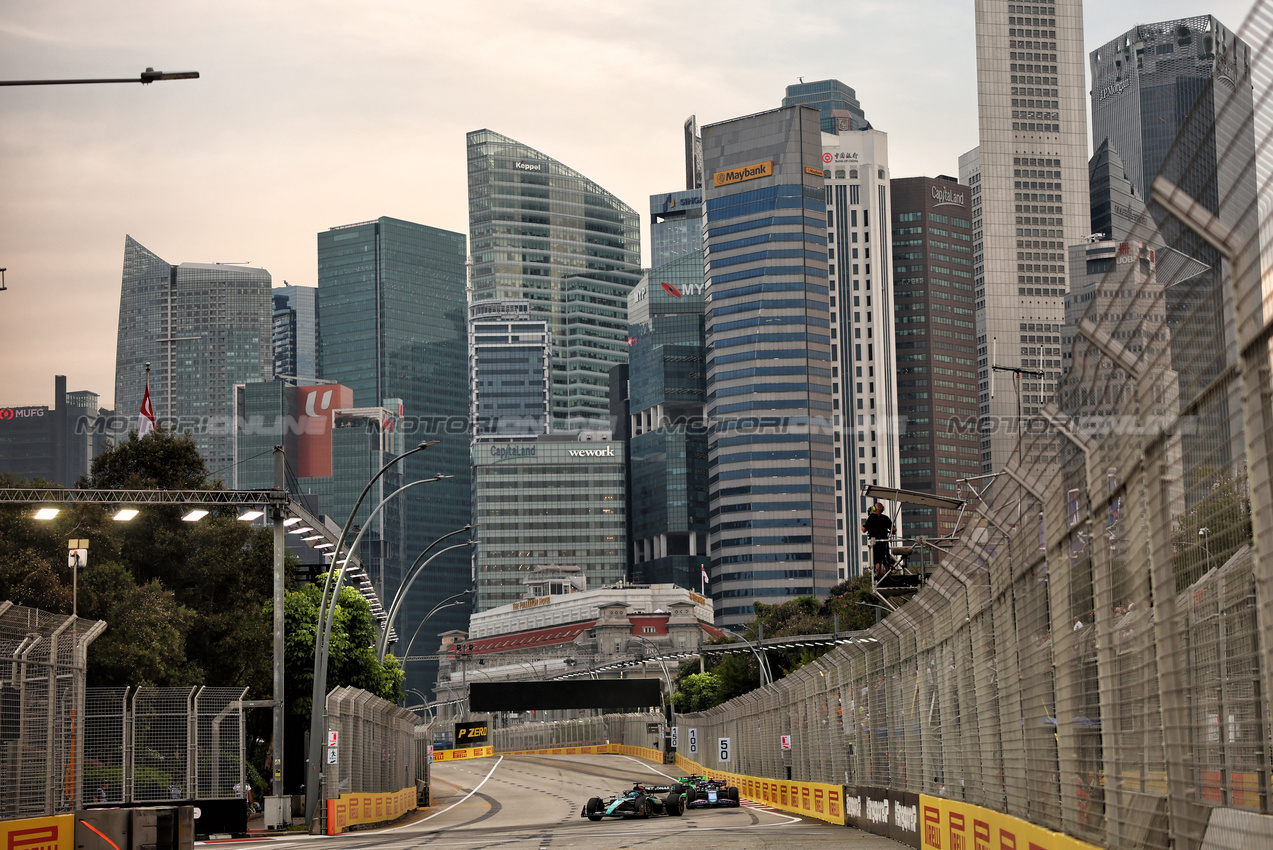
point(1115, 88)
point(743, 172)
point(947, 197)
point(518, 450)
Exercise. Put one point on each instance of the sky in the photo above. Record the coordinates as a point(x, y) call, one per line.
point(314, 113)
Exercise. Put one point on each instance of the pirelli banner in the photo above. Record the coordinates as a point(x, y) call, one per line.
point(463, 753)
point(590, 750)
point(948, 825)
point(366, 807)
point(814, 799)
point(51, 833)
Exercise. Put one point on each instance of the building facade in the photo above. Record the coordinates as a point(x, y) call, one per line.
point(542, 232)
point(1174, 98)
point(203, 328)
point(559, 627)
point(769, 362)
point(1031, 179)
point(936, 344)
point(556, 500)
point(668, 443)
point(676, 225)
point(55, 444)
point(393, 328)
point(296, 332)
point(509, 357)
point(837, 104)
point(865, 385)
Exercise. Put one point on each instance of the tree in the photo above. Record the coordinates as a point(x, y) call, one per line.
point(161, 460)
point(697, 692)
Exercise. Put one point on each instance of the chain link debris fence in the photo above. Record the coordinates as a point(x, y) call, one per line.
point(1095, 653)
point(378, 747)
point(42, 710)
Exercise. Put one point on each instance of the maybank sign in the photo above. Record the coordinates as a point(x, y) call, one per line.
point(744, 172)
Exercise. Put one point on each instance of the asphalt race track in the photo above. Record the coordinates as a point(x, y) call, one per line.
point(533, 803)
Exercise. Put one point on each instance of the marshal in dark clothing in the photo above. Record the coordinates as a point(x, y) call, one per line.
point(878, 527)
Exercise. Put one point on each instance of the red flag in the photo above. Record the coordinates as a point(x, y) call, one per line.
point(704, 569)
point(146, 421)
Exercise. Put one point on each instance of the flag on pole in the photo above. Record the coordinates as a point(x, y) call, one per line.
point(704, 569)
point(146, 419)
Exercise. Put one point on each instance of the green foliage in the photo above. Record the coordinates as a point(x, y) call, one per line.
point(1215, 527)
point(159, 461)
point(697, 692)
point(352, 660)
point(736, 674)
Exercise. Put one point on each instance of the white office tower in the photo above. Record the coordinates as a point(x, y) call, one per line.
point(862, 341)
point(1030, 175)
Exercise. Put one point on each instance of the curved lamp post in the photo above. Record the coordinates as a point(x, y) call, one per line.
point(766, 677)
point(323, 636)
point(445, 603)
point(670, 714)
point(401, 596)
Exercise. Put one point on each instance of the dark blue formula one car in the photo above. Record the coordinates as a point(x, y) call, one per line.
point(710, 794)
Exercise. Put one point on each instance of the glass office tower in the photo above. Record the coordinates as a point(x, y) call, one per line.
point(203, 328)
point(676, 225)
point(543, 232)
point(296, 332)
point(668, 444)
point(769, 362)
point(837, 104)
point(508, 360)
point(393, 324)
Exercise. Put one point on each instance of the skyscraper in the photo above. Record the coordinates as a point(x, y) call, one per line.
point(676, 225)
point(393, 325)
point(837, 104)
point(668, 447)
point(508, 362)
point(1175, 99)
point(769, 362)
point(1031, 179)
point(296, 332)
point(543, 232)
point(203, 328)
point(865, 389)
point(936, 347)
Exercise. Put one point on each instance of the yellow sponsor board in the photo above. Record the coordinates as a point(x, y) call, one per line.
point(463, 753)
point(817, 800)
point(948, 825)
point(588, 750)
point(816, 172)
point(362, 808)
point(743, 172)
point(53, 833)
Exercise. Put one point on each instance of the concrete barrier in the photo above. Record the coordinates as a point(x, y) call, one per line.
point(361, 808)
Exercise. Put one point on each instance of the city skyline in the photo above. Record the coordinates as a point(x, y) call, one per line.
point(253, 140)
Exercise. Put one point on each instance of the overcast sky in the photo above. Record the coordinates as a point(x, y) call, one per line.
point(319, 113)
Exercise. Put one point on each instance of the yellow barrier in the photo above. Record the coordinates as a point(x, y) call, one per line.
point(948, 825)
point(463, 753)
point(52, 833)
point(817, 800)
point(368, 807)
point(590, 750)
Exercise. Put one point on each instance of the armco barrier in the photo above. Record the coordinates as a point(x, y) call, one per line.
point(463, 753)
point(51, 833)
point(817, 800)
point(368, 807)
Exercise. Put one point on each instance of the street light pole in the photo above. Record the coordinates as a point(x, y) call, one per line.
point(401, 596)
point(445, 603)
point(317, 706)
point(146, 77)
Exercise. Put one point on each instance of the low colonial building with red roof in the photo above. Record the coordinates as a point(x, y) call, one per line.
point(559, 629)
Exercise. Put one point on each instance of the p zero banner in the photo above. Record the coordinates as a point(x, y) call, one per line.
point(355, 809)
point(467, 734)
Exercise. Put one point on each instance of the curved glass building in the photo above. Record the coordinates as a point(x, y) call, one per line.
point(543, 232)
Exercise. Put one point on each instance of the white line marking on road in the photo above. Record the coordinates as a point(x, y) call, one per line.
point(447, 809)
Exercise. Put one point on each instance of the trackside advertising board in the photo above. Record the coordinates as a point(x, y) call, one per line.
point(361, 808)
point(468, 734)
point(948, 825)
point(52, 833)
point(463, 753)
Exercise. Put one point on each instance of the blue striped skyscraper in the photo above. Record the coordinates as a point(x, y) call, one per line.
point(769, 362)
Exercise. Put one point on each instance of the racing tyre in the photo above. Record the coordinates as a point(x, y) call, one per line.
point(674, 805)
point(732, 793)
point(594, 809)
point(644, 807)
point(691, 794)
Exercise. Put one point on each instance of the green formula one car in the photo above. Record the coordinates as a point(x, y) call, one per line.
point(643, 801)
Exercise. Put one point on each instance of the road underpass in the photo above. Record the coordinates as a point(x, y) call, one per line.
point(482, 804)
